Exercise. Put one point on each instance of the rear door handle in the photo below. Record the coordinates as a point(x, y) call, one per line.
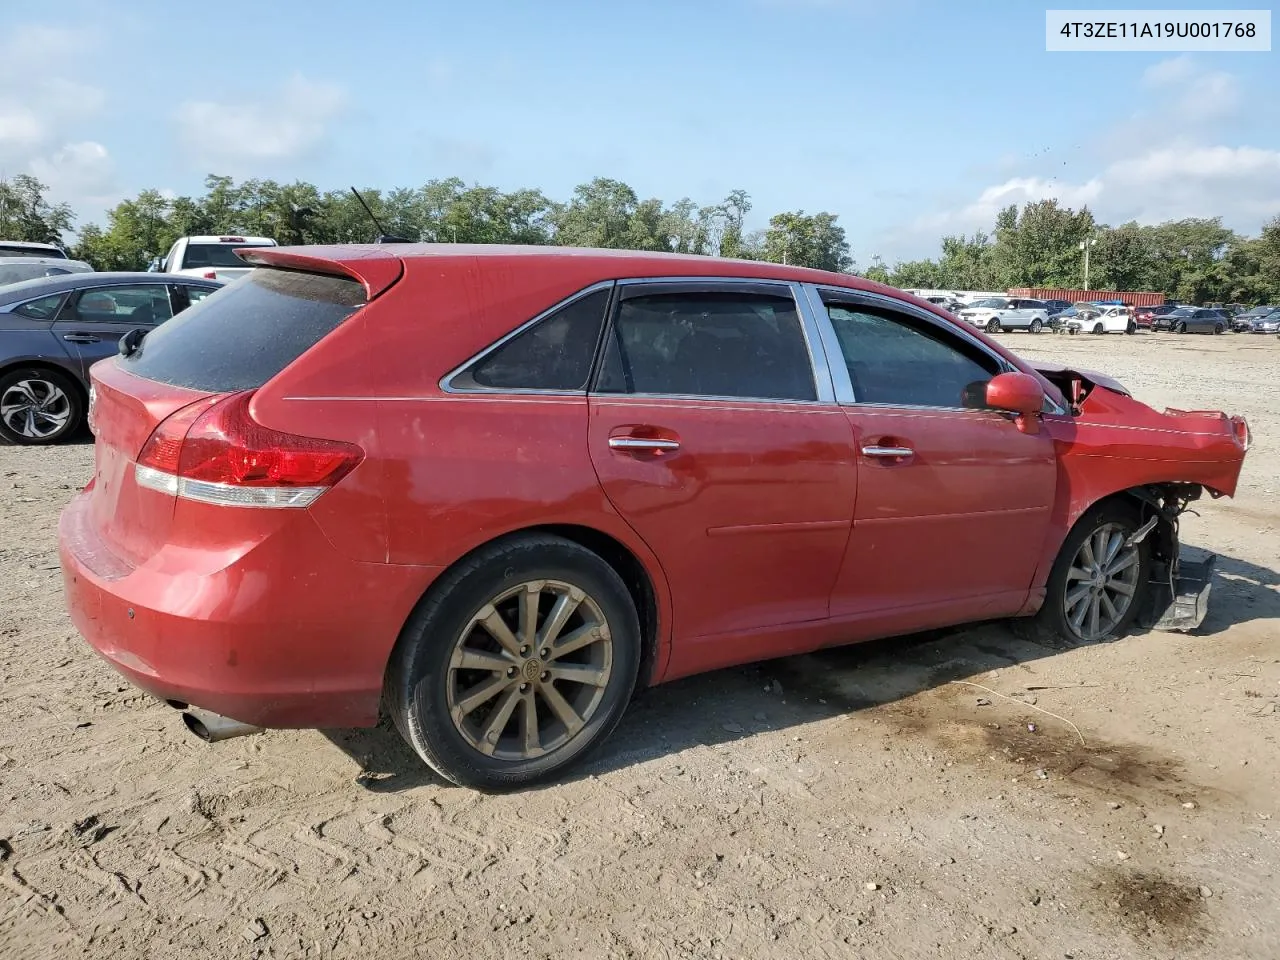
point(643, 444)
point(81, 338)
point(887, 452)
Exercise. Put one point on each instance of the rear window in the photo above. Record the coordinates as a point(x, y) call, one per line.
point(214, 255)
point(10, 251)
point(247, 332)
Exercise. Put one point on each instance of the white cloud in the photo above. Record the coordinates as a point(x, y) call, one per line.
point(981, 213)
point(1192, 93)
point(241, 134)
point(83, 169)
point(1165, 162)
point(42, 109)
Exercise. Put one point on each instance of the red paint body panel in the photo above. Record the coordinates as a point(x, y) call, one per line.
point(768, 532)
point(962, 519)
point(259, 624)
point(750, 516)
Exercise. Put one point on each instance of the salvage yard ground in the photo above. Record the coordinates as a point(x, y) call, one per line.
point(863, 802)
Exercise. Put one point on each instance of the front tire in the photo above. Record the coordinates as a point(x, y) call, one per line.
point(993, 325)
point(1095, 588)
point(1180, 328)
point(38, 407)
point(516, 663)
point(1099, 328)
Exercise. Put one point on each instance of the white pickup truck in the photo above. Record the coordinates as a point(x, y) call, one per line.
point(213, 258)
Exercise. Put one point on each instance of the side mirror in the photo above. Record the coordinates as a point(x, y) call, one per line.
point(1019, 394)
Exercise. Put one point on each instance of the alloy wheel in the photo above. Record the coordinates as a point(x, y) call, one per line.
point(35, 409)
point(529, 670)
point(1101, 582)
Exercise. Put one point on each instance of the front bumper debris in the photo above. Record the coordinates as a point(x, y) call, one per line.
point(1185, 606)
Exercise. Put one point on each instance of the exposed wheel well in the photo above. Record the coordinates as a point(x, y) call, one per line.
point(1164, 501)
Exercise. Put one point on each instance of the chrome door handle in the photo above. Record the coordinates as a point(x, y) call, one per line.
point(874, 451)
point(642, 443)
point(81, 338)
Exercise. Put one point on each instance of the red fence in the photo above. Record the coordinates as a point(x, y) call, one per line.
point(1135, 298)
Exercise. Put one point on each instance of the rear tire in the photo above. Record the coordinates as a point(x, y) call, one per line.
point(1074, 591)
point(1219, 328)
point(38, 406)
point(1036, 326)
point(448, 658)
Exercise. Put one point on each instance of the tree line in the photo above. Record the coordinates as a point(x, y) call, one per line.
point(1038, 245)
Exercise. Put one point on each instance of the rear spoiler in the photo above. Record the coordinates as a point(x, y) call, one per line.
point(374, 268)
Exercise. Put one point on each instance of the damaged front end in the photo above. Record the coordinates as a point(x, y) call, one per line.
point(1111, 443)
point(1177, 593)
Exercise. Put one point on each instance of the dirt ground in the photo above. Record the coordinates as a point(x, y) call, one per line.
point(1112, 801)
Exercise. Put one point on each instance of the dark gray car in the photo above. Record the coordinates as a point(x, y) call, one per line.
point(1193, 320)
point(52, 330)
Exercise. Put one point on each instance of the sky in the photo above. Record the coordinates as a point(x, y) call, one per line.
point(908, 119)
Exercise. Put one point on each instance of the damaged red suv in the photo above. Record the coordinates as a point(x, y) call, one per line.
point(490, 490)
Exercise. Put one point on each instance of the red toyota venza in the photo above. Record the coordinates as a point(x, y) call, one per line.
point(491, 490)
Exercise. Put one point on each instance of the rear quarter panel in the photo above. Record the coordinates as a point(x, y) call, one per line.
point(445, 473)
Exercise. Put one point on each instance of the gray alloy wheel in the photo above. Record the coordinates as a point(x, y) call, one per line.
point(1102, 582)
point(1181, 327)
point(529, 669)
point(37, 407)
point(993, 325)
point(1036, 325)
point(516, 663)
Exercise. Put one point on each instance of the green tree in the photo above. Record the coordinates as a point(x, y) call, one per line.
point(136, 231)
point(1039, 246)
point(807, 241)
point(26, 215)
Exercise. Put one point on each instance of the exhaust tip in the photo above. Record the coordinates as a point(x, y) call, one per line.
point(196, 726)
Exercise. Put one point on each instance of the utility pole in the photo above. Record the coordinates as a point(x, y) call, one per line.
point(1085, 245)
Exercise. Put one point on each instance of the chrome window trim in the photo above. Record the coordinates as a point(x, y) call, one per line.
point(819, 367)
point(13, 307)
point(446, 382)
point(840, 372)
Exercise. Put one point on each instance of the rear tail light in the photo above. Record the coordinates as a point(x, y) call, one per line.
point(1240, 428)
point(215, 452)
point(211, 275)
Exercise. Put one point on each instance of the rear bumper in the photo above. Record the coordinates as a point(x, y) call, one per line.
point(286, 633)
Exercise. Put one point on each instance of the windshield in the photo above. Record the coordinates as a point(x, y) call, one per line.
point(990, 303)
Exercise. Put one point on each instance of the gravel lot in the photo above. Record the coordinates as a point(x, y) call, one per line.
point(864, 802)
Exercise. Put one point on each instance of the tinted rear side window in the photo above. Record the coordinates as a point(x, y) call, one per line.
point(248, 332)
point(553, 354)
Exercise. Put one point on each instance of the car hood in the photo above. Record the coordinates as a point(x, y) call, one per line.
point(1056, 372)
